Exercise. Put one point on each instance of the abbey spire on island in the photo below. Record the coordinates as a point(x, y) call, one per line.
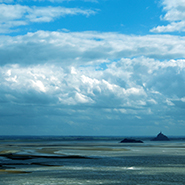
point(160, 137)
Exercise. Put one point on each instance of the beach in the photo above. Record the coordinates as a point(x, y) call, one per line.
point(84, 160)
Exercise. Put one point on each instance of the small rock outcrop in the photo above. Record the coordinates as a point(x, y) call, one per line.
point(131, 141)
point(160, 137)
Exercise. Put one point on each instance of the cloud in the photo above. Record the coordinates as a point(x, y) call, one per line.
point(13, 16)
point(66, 48)
point(94, 1)
point(47, 14)
point(172, 27)
point(98, 82)
point(6, 1)
point(53, 1)
point(136, 90)
point(175, 14)
point(55, 73)
point(135, 83)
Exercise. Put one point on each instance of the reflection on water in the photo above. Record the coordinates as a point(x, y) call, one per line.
point(53, 161)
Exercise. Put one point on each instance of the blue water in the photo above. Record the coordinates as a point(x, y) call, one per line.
point(90, 161)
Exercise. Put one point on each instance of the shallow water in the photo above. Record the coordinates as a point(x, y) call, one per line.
point(48, 161)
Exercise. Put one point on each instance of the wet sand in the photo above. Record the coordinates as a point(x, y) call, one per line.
point(93, 162)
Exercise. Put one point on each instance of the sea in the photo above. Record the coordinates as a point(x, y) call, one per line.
point(73, 160)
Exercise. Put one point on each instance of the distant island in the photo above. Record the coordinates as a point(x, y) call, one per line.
point(160, 137)
point(131, 141)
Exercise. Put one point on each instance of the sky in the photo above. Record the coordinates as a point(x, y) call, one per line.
point(92, 67)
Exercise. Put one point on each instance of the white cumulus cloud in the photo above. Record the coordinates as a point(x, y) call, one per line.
point(175, 15)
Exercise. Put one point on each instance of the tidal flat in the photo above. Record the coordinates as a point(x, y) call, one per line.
point(90, 161)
